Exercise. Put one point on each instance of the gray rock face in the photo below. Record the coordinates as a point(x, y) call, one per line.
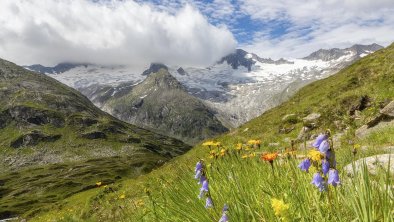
point(160, 103)
point(373, 164)
point(385, 119)
point(335, 53)
point(388, 110)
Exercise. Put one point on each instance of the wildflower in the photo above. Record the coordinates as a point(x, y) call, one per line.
point(318, 181)
point(223, 152)
point(213, 154)
point(204, 188)
point(122, 196)
point(319, 140)
point(244, 156)
point(198, 174)
point(208, 202)
point(304, 165)
point(98, 183)
point(202, 179)
point(325, 165)
point(315, 155)
point(333, 177)
point(199, 166)
point(217, 144)
point(225, 208)
point(280, 208)
point(252, 155)
point(208, 143)
point(324, 146)
point(254, 143)
point(270, 157)
point(238, 147)
point(224, 217)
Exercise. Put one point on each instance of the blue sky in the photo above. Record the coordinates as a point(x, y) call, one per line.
point(185, 32)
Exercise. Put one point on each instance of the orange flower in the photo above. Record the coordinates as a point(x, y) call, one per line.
point(270, 157)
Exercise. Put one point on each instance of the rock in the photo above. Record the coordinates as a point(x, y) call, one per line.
point(304, 133)
point(363, 103)
point(373, 164)
point(32, 139)
point(312, 117)
point(286, 130)
point(94, 135)
point(388, 110)
point(273, 144)
point(365, 130)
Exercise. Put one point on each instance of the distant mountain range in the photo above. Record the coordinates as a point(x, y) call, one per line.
point(239, 87)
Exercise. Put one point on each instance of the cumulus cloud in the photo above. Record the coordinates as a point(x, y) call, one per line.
point(315, 24)
point(108, 32)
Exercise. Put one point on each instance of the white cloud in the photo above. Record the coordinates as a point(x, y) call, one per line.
point(316, 24)
point(114, 32)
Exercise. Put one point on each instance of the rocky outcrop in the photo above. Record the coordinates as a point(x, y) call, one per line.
point(33, 138)
point(373, 164)
point(160, 103)
point(383, 120)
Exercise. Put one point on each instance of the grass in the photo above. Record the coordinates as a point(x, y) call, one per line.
point(248, 185)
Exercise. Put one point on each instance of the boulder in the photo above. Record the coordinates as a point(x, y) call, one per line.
point(373, 164)
point(388, 110)
point(312, 117)
point(304, 133)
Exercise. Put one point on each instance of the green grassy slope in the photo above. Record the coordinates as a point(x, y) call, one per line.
point(54, 142)
point(248, 185)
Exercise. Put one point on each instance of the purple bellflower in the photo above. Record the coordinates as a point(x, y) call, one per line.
point(319, 140)
point(324, 146)
point(208, 202)
point(333, 177)
point(198, 174)
point(304, 165)
point(199, 166)
point(224, 217)
point(318, 181)
point(325, 165)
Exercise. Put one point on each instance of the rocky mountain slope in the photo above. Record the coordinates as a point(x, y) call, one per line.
point(355, 98)
point(160, 103)
point(239, 87)
point(46, 123)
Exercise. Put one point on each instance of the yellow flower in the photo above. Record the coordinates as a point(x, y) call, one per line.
point(208, 143)
point(315, 155)
point(357, 146)
point(239, 146)
point(245, 156)
point(211, 143)
point(122, 196)
point(139, 203)
point(254, 142)
point(280, 208)
point(98, 183)
point(223, 152)
point(252, 155)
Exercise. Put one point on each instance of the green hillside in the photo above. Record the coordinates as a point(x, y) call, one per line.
point(54, 143)
point(249, 185)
